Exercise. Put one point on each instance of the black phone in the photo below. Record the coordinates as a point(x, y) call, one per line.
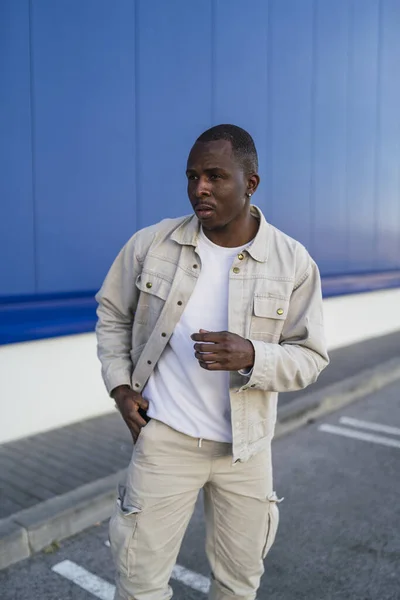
point(144, 415)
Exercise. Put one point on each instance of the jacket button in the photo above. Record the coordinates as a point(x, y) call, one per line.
point(179, 302)
point(240, 256)
point(164, 334)
point(195, 266)
point(149, 284)
point(137, 384)
point(280, 311)
point(236, 270)
point(149, 362)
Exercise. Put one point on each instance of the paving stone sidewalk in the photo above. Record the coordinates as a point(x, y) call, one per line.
point(43, 466)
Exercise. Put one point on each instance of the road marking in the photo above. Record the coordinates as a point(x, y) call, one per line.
point(193, 580)
point(359, 435)
point(370, 426)
point(86, 580)
point(105, 591)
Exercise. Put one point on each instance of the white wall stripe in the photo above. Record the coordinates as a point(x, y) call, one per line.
point(193, 580)
point(360, 435)
point(370, 426)
point(86, 580)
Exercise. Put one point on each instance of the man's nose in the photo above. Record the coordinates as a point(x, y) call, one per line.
point(203, 188)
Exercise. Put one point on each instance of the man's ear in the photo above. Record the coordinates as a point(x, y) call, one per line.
point(253, 182)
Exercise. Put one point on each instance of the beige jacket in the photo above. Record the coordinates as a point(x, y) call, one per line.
point(274, 300)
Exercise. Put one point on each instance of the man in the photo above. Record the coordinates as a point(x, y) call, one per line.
point(202, 320)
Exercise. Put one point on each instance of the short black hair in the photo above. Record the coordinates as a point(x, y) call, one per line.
point(243, 146)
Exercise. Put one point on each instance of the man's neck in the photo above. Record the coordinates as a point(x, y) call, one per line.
point(235, 233)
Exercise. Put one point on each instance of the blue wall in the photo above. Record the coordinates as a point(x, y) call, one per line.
point(100, 102)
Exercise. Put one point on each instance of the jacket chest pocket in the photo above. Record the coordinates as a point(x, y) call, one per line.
point(154, 291)
point(268, 318)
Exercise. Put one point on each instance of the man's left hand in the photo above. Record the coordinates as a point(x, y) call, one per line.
point(223, 351)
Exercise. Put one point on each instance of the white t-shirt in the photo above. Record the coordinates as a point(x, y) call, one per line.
point(181, 394)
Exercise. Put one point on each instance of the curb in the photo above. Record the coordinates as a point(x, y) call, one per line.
point(33, 529)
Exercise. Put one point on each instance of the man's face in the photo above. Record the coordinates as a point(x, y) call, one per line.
point(217, 185)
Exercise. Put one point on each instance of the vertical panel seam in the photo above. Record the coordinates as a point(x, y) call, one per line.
point(313, 91)
point(377, 149)
point(33, 156)
point(347, 128)
point(398, 160)
point(396, 52)
point(264, 200)
point(213, 58)
point(269, 170)
point(378, 131)
point(136, 115)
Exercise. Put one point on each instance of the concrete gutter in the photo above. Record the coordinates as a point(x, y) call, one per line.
point(36, 528)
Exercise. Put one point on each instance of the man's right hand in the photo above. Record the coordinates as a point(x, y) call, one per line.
point(128, 403)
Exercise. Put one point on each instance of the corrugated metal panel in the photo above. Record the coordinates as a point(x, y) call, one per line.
point(17, 273)
point(387, 197)
point(121, 90)
point(240, 75)
point(290, 110)
point(83, 81)
point(174, 59)
point(329, 180)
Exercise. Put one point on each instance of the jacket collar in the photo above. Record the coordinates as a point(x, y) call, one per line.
point(187, 234)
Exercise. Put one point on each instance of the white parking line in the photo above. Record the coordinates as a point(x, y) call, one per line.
point(359, 435)
point(370, 426)
point(105, 591)
point(193, 580)
point(86, 580)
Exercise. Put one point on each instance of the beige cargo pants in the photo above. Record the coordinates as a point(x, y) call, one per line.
point(153, 510)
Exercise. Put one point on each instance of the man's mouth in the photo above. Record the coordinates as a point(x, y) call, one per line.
point(204, 211)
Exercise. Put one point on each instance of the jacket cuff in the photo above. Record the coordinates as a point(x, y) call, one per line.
point(116, 378)
point(246, 372)
point(263, 367)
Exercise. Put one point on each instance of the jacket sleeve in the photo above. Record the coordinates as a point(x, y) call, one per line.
point(117, 301)
point(301, 354)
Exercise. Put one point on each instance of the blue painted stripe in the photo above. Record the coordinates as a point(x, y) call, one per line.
point(33, 319)
point(38, 317)
point(358, 283)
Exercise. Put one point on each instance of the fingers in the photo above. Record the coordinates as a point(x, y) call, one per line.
point(210, 336)
point(133, 419)
point(207, 357)
point(207, 348)
point(135, 426)
point(136, 420)
point(134, 432)
point(143, 403)
point(212, 366)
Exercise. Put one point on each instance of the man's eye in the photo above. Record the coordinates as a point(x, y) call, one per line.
point(192, 177)
point(215, 176)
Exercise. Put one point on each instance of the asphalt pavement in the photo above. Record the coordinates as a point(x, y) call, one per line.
point(339, 535)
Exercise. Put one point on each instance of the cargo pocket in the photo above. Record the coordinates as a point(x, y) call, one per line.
point(122, 529)
point(273, 521)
